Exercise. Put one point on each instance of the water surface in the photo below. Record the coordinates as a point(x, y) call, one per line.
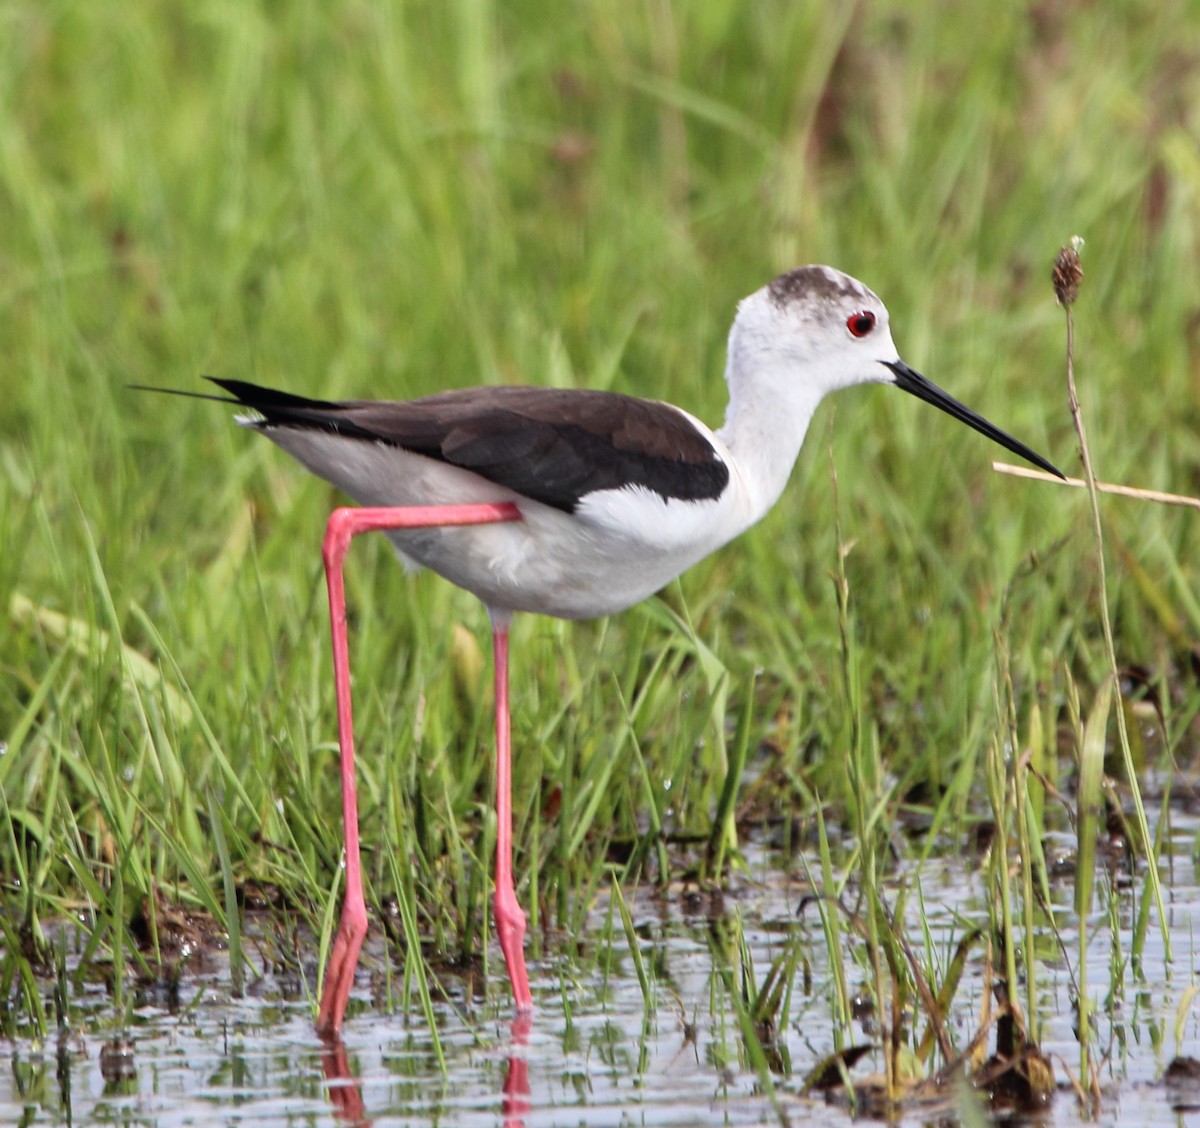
point(597, 1051)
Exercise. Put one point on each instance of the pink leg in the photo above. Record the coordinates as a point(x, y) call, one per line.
point(352, 928)
point(510, 920)
point(345, 524)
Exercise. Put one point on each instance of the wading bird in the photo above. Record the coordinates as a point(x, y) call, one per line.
point(574, 503)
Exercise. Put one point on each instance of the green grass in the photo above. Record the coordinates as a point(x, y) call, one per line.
point(371, 199)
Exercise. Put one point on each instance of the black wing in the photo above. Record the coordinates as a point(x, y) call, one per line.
point(552, 445)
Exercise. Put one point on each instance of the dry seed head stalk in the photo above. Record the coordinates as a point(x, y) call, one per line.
point(1068, 273)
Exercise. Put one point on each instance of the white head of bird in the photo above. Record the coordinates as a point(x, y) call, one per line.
point(809, 332)
point(812, 331)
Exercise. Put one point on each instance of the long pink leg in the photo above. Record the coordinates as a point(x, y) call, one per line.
point(344, 525)
point(510, 919)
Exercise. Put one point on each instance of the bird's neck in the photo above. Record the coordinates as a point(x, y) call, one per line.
point(764, 432)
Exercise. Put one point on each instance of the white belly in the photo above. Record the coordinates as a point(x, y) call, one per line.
point(617, 548)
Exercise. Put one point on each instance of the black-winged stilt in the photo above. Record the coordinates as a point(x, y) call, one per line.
point(574, 503)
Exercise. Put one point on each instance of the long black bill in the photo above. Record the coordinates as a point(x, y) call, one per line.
point(912, 381)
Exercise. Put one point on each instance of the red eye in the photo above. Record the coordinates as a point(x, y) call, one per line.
point(861, 323)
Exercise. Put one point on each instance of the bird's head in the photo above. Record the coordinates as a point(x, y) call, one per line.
point(817, 326)
point(815, 330)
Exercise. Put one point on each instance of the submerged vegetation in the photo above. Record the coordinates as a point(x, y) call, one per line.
point(910, 653)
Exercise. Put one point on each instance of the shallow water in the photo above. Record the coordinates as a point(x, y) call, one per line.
point(595, 1053)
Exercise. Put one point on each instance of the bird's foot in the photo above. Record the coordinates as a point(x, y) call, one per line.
point(339, 972)
point(510, 929)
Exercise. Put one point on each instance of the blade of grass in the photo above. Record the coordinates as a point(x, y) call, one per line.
point(635, 950)
point(233, 920)
point(1090, 807)
point(723, 836)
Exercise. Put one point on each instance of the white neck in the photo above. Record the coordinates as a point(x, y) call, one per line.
point(763, 430)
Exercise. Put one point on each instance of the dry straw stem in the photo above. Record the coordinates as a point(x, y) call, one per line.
point(1103, 487)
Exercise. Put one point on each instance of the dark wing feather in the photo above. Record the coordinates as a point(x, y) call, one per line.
point(552, 445)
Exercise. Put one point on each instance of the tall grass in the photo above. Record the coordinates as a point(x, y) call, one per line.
point(377, 199)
